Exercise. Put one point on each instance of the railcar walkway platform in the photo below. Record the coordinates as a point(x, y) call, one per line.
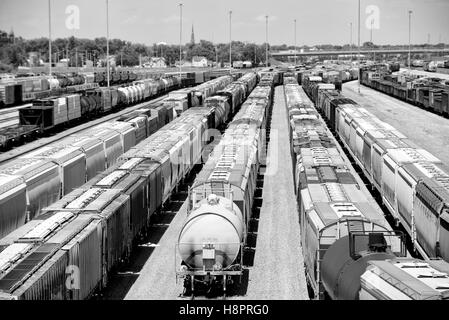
point(278, 271)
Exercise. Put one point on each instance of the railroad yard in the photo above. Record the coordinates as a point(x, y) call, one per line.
point(270, 172)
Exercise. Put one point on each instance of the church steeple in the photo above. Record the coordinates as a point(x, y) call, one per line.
point(192, 39)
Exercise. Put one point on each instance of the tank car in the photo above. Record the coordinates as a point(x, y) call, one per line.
point(210, 243)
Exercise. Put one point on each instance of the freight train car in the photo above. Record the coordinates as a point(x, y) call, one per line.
point(350, 251)
point(332, 204)
point(362, 266)
point(52, 171)
point(14, 91)
point(92, 228)
point(210, 243)
point(427, 93)
point(411, 182)
point(88, 232)
point(239, 90)
point(191, 97)
point(54, 113)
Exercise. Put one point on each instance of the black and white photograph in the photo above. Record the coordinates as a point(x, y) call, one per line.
point(219, 156)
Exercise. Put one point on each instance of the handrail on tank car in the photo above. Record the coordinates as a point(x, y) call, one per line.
point(346, 219)
point(399, 235)
point(194, 191)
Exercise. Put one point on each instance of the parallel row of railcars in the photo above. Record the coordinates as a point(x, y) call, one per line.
point(232, 96)
point(58, 111)
point(428, 93)
point(415, 198)
point(183, 99)
point(70, 249)
point(55, 113)
point(333, 74)
point(19, 89)
point(350, 251)
point(52, 171)
point(413, 184)
point(53, 109)
point(211, 241)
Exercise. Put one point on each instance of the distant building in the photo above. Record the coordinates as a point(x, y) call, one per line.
point(242, 64)
point(103, 62)
point(199, 61)
point(156, 62)
point(237, 64)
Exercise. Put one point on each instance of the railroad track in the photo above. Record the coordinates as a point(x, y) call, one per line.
point(19, 151)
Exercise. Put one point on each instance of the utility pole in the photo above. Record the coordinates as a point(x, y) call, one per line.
point(371, 38)
point(230, 41)
point(266, 40)
point(255, 55)
point(107, 41)
point(215, 51)
point(358, 56)
point(350, 41)
point(49, 36)
point(409, 37)
point(180, 41)
point(295, 42)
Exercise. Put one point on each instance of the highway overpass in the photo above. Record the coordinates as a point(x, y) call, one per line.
point(355, 52)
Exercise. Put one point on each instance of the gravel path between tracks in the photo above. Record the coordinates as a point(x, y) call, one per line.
point(426, 129)
point(278, 271)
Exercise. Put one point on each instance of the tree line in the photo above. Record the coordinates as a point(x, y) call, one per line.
point(14, 51)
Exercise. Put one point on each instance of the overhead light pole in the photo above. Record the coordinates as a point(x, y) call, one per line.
point(49, 36)
point(409, 37)
point(295, 42)
point(358, 55)
point(266, 41)
point(180, 41)
point(350, 40)
point(371, 39)
point(107, 42)
point(230, 41)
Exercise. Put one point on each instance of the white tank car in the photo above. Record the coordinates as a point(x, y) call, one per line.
point(210, 243)
point(211, 240)
point(216, 226)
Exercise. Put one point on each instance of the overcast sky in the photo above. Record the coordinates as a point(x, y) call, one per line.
point(152, 21)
